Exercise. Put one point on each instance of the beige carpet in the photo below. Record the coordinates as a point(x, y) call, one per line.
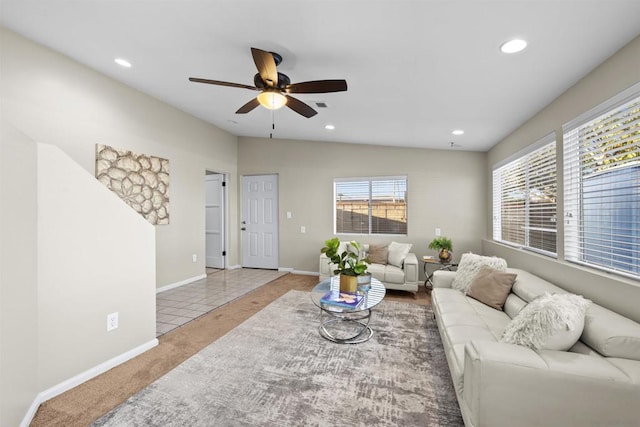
point(276, 370)
point(82, 405)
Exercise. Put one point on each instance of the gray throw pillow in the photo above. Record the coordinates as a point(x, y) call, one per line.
point(491, 287)
point(378, 254)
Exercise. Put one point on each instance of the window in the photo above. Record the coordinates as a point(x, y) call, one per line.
point(370, 205)
point(524, 199)
point(602, 186)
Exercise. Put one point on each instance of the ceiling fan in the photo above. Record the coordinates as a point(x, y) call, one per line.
point(275, 87)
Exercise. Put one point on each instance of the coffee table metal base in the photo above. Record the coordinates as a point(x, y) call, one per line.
point(354, 326)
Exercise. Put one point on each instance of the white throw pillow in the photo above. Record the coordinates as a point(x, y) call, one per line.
point(397, 253)
point(549, 322)
point(470, 265)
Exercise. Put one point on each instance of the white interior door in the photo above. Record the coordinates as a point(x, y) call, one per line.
point(260, 221)
point(214, 221)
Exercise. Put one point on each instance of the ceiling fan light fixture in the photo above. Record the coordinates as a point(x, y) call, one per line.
point(272, 99)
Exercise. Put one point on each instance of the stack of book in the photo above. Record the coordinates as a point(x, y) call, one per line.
point(342, 299)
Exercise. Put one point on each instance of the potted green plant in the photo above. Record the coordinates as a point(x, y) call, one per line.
point(349, 264)
point(444, 246)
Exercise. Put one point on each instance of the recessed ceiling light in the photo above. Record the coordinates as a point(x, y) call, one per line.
point(123, 62)
point(458, 132)
point(329, 127)
point(513, 46)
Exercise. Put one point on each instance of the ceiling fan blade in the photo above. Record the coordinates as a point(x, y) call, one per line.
point(266, 66)
point(300, 107)
point(248, 106)
point(317, 86)
point(219, 83)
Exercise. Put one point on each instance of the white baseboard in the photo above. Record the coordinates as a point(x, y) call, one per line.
point(291, 270)
point(181, 283)
point(83, 377)
point(306, 273)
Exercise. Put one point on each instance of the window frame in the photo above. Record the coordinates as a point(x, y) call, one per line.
point(524, 155)
point(575, 250)
point(370, 180)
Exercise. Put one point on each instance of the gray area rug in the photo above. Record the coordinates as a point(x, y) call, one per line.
point(275, 370)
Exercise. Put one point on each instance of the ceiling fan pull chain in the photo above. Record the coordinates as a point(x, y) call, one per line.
point(273, 124)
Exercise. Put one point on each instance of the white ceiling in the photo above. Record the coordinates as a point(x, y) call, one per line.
point(416, 70)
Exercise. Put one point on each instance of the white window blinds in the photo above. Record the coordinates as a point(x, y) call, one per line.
point(602, 186)
point(371, 205)
point(524, 199)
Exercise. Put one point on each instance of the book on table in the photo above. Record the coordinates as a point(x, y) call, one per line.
point(342, 299)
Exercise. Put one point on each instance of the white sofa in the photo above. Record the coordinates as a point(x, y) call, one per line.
point(402, 279)
point(595, 383)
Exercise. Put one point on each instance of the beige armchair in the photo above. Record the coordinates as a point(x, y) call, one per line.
point(399, 273)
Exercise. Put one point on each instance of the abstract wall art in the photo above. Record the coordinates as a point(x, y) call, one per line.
point(140, 180)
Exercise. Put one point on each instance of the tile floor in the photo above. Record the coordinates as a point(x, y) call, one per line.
point(178, 306)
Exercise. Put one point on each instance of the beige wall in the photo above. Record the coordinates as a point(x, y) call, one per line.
point(445, 189)
point(96, 256)
point(619, 72)
point(18, 279)
point(48, 98)
point(55, 100)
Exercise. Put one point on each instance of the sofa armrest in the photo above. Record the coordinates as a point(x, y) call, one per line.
point(443, 278)
point(410, 267)
point(325, 268)
point(506, 385)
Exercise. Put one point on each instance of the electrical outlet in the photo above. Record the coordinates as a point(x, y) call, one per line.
point(437, 232)
point(303, 229)
point(112, 321)
point(194, 258)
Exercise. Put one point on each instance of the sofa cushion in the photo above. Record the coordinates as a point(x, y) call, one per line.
point(470, 265)
point(455, 309)
point(397, 253)
point(611, 334)
point(491, 286)
point(528, 286)
point(377, 271)
point(386, 273)
point(378, 254)
point(513, 305)
point(551, 322)
point(393, 274)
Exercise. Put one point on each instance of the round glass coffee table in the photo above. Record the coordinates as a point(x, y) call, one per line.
point(347, 325)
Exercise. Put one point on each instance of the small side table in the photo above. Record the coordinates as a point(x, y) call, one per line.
point(439, 265)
